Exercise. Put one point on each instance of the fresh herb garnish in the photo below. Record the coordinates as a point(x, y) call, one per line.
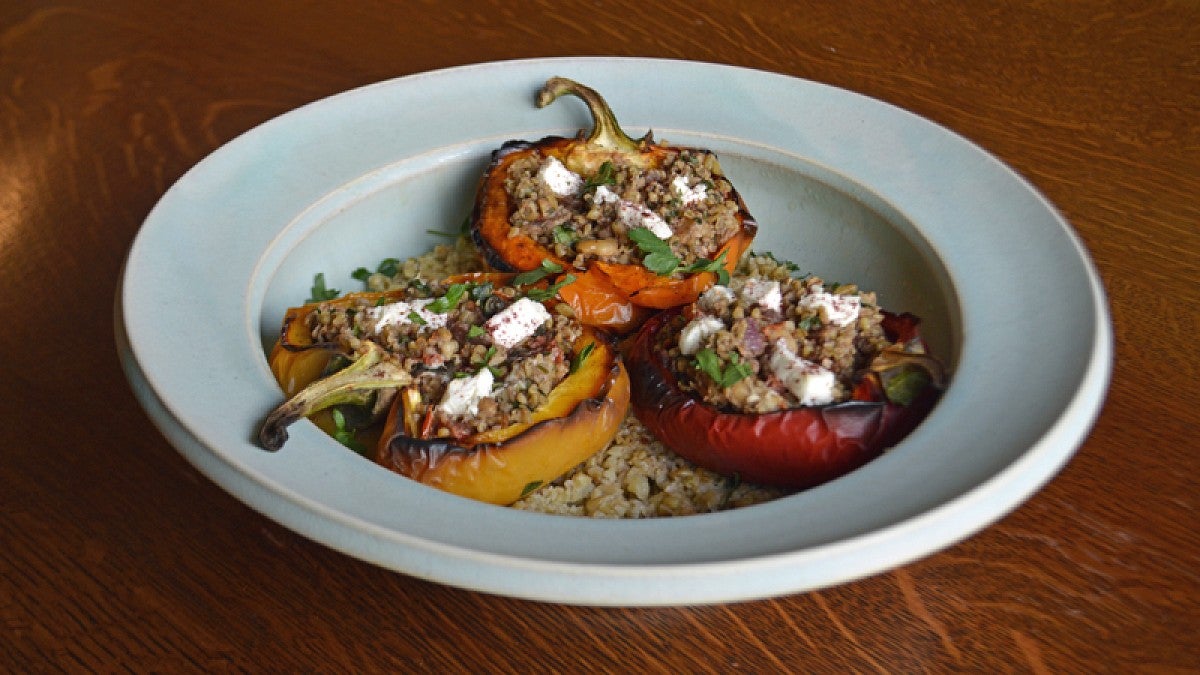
point(544, 294)
point(439, 233)
point(388, 267)
point(565, 235)
point(480, 292)
point(448, 301)
point(416, 318)
point(658, 257)
point(531, 486)
point(344, 435)
point(606, 175)
point(535, 275)
point(581, 357)
point(810, 322)
point(715, 266)
point(475, 331)
point(725, 375)
point(319, 292)
point(903, 387)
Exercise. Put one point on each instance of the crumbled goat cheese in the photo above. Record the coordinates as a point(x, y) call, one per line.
point(512, 325)
point(689, 195)
point(840, 310)
point(559, 178)
point(763, 293)
point(636, 215)
point(464, 394)
point(709, 299)
point(400, 313)
point(603, 195)
point(807, 381)
point(694, 333)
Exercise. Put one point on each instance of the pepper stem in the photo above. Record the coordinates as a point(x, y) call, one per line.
point(353, 384)
point(606, 133)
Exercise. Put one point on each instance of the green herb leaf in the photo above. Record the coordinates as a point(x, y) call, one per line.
point(724, 375)
point(416, 318)
point(530, 487)
point(810, 322)
point(475, 331)
point(905, 386)
point(581, 357)
point(545, 269)
point(565, 235)
point(658, 257)
point(605, 175)
point(544, 294)
point(439, 233)
point(362, 274)
point(389, 267)
point(345, 436)
point(715, 266)
point(319, 292)
point(448, 301)
point(480, 292)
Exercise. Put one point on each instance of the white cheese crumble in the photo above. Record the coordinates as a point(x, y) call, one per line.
point(807, 381)
point(603, 195)
point(464, 394)
point(559, 178)
point(840, 310)
point(763, 293)
point(400, 313)
point(709, 299)
point(512, 325)
point(689, 195)
point(636, 215)
point(695, 332)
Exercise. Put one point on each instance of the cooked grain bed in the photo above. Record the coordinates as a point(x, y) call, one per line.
point(635, 476)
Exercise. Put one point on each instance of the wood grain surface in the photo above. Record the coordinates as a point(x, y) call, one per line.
point(115, 554)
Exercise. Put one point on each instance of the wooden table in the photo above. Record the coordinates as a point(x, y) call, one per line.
point(115, 553)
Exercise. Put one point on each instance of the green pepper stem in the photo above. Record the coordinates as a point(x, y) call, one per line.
point(606, 133)
point(353, 384)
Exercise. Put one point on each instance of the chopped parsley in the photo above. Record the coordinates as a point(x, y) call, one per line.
point(725, 375)
point(532, 485)
point(450, 300)
point(540, 272)
point(582, 356)
point(416, 318)
point(565, 235)
point(657, 257)
point(475, 331)
point(319, 292)
point(810, 322)
point(342, 434)
point(544, 294)
point(715, 266)
point(388, 267)
point(606, 175)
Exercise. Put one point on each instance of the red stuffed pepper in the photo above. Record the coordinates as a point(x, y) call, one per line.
point(781, 381)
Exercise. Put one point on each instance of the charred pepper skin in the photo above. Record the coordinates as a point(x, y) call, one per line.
point(794, 449)
point(617, 297)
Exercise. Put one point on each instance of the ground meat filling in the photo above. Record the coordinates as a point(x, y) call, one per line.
point(444, 334)
point(686, 202)
point(770, 341)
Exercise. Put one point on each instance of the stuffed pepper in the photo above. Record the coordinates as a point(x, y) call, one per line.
point(781, 380)
point(643, 226)
point(481, 386)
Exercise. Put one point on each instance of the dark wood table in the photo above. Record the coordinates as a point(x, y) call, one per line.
point(116, 554)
